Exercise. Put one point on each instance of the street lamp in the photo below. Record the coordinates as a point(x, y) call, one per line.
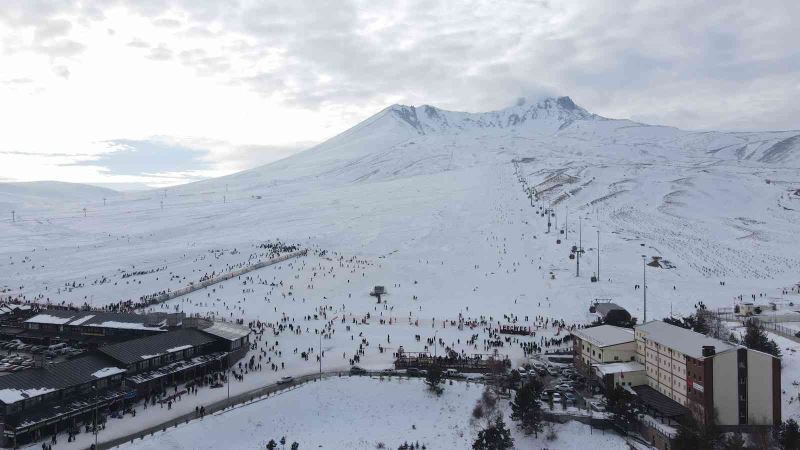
point(598, 253)
point(644, 285)
point(96, 428)
point(435, 343)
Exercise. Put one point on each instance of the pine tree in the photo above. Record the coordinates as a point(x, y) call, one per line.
point(756, 339)
point(525, 407)
point(693, 436)
point(734, 442)
point(434, 379)
point(271, 444)
point(621, 407)
point(494, 437)
point(295, 446)
point(787, 435)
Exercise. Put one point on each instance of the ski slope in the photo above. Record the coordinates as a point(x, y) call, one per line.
point(445, 209)
point(434, 197)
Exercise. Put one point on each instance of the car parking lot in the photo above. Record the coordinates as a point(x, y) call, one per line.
point(16, 355)
point(560, 383)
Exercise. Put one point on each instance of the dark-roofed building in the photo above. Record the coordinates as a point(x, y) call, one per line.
point(611, 313)
point(235, 338)
point(154, 361)
point(723, 383)
point(38, 400)
point(99, 326)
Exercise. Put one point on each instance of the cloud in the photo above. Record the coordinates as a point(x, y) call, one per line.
point(308, 69)
point(471, 55)
point(138, 157)
point(61, 71)
point(160, 53)
point(138, 43)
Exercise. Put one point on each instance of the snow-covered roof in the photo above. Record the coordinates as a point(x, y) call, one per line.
point(605, 335)
point(82, 319)
point(107, 372)
point(98, 319)
point(123, 325)
point(9, 396)
point(49, 318)
point(135, 350)
point(227, 330)
point(38, 381)
point(680, 339)
point(618, 367)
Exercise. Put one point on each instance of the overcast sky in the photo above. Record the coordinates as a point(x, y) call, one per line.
point(160, 92)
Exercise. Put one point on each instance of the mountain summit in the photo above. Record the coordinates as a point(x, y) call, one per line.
point(549, 112)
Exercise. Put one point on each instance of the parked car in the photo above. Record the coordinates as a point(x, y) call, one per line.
point(355, 370)
point(544, 397)
point(453, 373)
point(412, 372)
point(387, 372)
point(556, 397)
point(597, 406)
point(571, 398)
point(285, 380)
point(552, 371)
point(564, 387)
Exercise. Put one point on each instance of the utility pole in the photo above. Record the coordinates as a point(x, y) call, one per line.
point(435, 342)
point(644, 285)
point(320, 353)
point(580, 247)
point(598, 255)
point(162, 205)
point(548, 211)
point(224, 199)
point(84, 212)
point(104, 201)
point(13, 216)
point(566, 225)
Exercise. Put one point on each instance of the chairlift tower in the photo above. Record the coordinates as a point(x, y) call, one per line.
point(548, 212)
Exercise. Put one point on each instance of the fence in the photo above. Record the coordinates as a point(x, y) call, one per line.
point(235, 402)
point(223, 277)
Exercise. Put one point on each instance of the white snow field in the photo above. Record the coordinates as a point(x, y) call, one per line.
point(434, 205)
point(359, 413)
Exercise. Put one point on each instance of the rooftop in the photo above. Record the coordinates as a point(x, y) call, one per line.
point(619, 367)
point(158, 344)
point(684, 341)
point(605, 335)
point(605, 307)
point(98, 319)
point(665, 406)
point(33, 382)
point(227, 330)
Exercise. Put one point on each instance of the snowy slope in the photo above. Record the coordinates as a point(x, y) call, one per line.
point(445, 209)
point(43, 193)
point(424, 183)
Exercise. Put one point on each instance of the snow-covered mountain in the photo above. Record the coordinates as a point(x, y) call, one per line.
point(27, 194)
point(411, 185)
point(402, 141)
